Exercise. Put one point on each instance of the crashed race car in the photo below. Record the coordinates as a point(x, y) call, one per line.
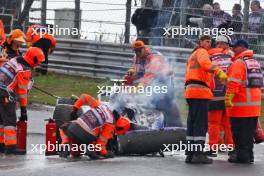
point(149, 133)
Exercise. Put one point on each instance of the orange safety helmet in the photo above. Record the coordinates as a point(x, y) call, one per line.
point(35, 32)
point(122, 125)
point(138, 44)
point(34, 56)
point(16, 35)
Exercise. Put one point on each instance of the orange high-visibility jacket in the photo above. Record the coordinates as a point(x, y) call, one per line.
point(222, 59)
point(140, 63)
point(98, 121)
point(2, 33)
point(155, 66)
point(247, 101)
point(15, 77)
point(36, 32)
point(198, 76)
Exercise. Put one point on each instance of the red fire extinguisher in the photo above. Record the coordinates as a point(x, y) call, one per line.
point(22, 136)
point(51, 138)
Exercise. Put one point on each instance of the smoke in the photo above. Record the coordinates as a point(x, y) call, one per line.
point(161, 100)
point(178, 64)
point(142, 105)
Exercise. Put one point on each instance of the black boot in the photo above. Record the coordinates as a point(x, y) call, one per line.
point(188, 159)
point(12, 150)
point(109, 155)
point(201, 158)
point(2, 148)
point(93, 155)
point(211, 153)
point(65, 150)
point(189, 156)
point(234, 158)
point(64, 153)
point(251, 157)
point(232, 152)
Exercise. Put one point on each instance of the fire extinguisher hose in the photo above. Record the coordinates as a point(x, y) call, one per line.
point(45, 92)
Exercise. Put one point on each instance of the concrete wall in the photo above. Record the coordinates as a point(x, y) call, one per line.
point(64, 18)
point(157, 4)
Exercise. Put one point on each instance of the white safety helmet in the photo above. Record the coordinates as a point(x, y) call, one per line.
point(223, 38)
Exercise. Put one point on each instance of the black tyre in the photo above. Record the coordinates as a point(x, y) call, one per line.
point(62, 114)
point(149, 141)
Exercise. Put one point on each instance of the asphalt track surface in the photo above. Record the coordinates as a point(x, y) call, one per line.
point(37, 164)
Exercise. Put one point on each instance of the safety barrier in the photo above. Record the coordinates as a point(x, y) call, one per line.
point(105, 60)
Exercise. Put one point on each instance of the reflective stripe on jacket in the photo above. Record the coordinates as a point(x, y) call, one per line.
point(149, 67)
point(222, 59)
point(98, 121)
point(15, 77)
point(86, 100)
point(156, 68)
point(199, 69)
point(247, 101)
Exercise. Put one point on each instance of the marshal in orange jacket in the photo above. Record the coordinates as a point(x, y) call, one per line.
point(19, 83)
point(107, 129)
point(247, 101)
point(154, 66)
point(36, 32)
point(198, 76)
